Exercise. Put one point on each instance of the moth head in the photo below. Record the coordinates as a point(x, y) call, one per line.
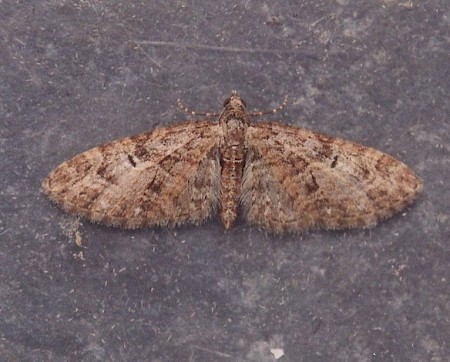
point(234, 101)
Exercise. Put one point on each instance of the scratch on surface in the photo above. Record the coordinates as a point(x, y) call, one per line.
point(221, 354)
point(217, 48)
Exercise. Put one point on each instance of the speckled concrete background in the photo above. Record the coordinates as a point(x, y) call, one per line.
point(74, 74)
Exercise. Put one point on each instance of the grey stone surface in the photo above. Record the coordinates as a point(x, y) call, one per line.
point(77, 74)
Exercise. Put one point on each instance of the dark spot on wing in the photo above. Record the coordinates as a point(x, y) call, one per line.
point(132, 161)
point(333, 164)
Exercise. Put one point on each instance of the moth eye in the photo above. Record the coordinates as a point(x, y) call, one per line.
point(244, 103)
point(227, 101)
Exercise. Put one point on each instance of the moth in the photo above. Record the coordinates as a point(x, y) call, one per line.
point(281, 178)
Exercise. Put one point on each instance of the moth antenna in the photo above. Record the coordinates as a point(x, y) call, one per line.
point(185, 109)
point(270, 111)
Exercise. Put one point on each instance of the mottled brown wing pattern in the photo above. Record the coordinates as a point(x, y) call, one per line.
point(285, 179)
point(167, 177)
point(295, 179)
